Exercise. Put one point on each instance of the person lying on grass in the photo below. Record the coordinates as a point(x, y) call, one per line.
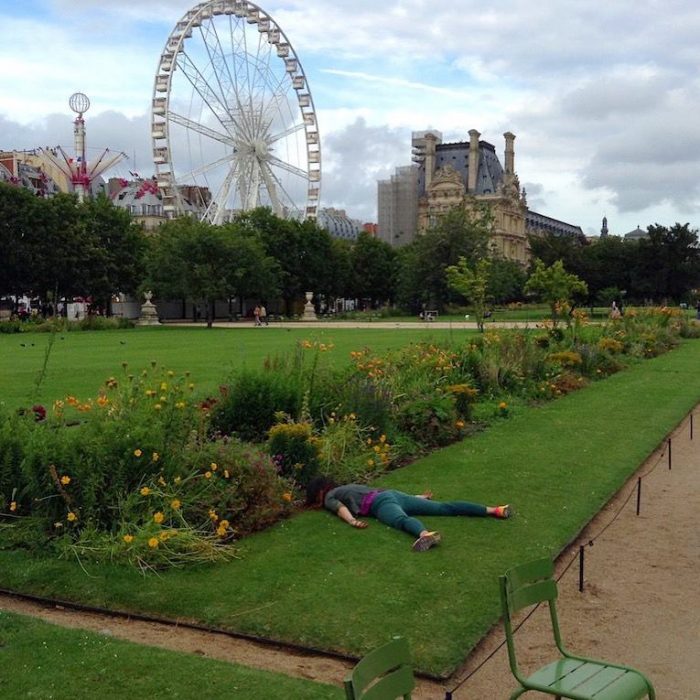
point(393, 508)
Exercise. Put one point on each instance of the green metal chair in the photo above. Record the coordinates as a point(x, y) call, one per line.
point(384, 674)
point(569, 676)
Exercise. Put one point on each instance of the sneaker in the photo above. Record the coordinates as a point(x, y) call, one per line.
point(426, 542)
point(503, 512)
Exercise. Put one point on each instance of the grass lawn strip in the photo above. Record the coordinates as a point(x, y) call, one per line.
point(314, 581)
point(41, 660)
point(80, 362)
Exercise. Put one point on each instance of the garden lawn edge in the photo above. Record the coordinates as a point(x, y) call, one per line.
point(314, 581)
point(45, 660)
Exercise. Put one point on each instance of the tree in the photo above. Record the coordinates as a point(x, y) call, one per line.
point(195, 260)
point(373, 269)
point(472, 283)
point(421, 273)
point(506, 281)
point(556, 287)
point(668, 262)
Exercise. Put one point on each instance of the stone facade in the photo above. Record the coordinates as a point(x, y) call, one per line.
point(469, 175)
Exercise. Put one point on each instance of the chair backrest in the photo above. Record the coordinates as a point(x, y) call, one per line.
point(524, 586)
point(383, 674)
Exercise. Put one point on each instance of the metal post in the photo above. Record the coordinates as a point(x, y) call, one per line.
point(669, 453)
point(448, 695)
point(580, 568)
point(639, 493)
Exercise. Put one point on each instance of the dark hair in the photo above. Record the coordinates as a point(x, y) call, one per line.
point(317, 489)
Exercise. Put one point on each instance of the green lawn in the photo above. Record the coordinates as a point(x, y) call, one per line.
point(80, 361)
point(38, 660)
point(312, 580)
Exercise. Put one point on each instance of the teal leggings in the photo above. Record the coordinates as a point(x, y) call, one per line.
point(396, 509)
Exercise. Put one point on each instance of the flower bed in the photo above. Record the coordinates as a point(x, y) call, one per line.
point(149, 473)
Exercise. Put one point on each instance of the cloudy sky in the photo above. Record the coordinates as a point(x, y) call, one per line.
point(603, 97)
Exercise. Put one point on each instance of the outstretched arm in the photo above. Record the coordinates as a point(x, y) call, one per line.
point(344, 514)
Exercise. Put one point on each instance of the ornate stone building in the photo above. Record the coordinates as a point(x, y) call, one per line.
point(466, 174)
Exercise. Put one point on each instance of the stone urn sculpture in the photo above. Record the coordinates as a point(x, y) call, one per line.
point(149, 313)
point(309, 313)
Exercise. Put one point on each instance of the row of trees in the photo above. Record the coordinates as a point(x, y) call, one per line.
point(54, 248)
point(57, 247)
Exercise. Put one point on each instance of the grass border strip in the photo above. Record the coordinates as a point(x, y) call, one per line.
point(262, 641)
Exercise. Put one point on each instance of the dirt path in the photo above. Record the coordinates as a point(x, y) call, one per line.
point(641, 598)
point(640, 605)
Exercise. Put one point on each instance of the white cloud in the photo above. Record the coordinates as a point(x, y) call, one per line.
point(602, 97)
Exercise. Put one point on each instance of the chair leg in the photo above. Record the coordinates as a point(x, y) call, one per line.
point(517, 693)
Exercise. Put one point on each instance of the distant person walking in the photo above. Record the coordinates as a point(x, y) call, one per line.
point(256, 315)
point(614, 311)
point(263, 315)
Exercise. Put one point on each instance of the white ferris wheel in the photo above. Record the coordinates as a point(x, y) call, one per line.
point(233, 123)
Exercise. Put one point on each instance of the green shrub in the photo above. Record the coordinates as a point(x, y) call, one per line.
point(295, 450)
point(250, 401)
point(430, 420)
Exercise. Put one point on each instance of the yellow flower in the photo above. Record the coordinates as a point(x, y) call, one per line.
point(503, 404)
point(157, 407)
point(128, 539)
point(137, 453)
point(163, 386)
point(175, 504)
point(145, 491)
point(226, 474)
point(459, 423)
point(13, 506)
point(190, 386)
point(102, 400)
point(223, 524)
point(213, 515)
point(158, 517)
point(180, 404)
point(382, 438)
point(163, 399)
point(376, 448)
point(370, 462)
point(155, 457)
point(72, 517)
point(164, 536)
point(287, 497)
point(153, 542)
point(207, 475)
point(177, 479)
point(162, 481)
point(213, 466)
point(65, 480)
point(150, 393)
point(171, 373)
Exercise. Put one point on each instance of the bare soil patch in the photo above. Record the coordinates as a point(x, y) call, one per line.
point(639, 604)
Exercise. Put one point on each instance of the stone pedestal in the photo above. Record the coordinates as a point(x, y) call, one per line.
point(149, 313)
point(309, 313)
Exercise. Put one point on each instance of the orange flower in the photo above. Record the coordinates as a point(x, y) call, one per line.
point(207, 475)
point(145, 491)
point(72, 517)
point(13, 506)
point(155, 457)
point(65, 480)
point(175, 504)
point(153, 542)
point(158, 517)
point(287, 496)
point(128, 539)
point(137, 452)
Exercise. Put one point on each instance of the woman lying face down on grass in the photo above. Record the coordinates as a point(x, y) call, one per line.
point(393, 508)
